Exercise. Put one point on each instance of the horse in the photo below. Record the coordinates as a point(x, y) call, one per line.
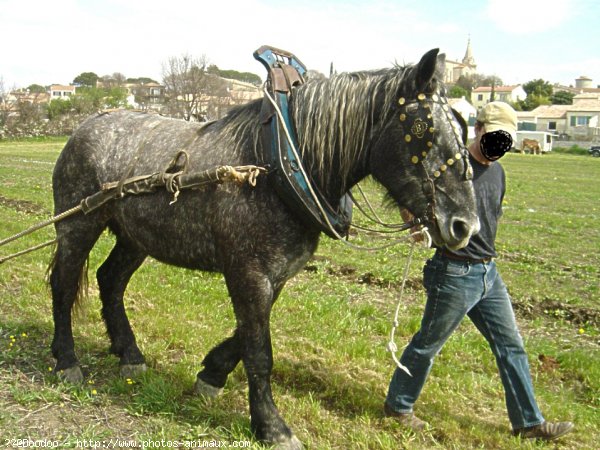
point(349, 127)
point(532, 145)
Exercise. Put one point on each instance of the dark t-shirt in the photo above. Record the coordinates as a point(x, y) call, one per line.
point(489, 183)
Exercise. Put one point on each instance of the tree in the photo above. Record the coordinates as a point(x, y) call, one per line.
point(562, 98)
point(246, 77)
point(538, 87)
point(58, 107)
point(457, 91)
point(473, 81)
point(88, 79)
point(185, 80)
point(140, 80)
point(36, 89)
point(115, 80)
point(4, 111)
point(538, 93)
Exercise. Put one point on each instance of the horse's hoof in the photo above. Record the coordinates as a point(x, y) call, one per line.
point(291, 444)
point(204, 389)
point(132, 370)
point(71, 374)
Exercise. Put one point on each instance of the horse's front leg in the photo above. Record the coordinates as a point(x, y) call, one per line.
point(253, 295)
point(220, 362)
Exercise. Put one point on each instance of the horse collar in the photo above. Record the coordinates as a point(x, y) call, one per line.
point(291, 182)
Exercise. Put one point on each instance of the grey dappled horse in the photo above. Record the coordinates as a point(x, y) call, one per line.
point(350, 126)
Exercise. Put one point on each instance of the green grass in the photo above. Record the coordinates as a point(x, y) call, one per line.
point(330, 328)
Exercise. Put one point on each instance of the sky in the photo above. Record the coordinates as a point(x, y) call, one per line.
point(53, 41)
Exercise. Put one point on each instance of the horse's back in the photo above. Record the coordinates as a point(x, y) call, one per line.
point(113, 142)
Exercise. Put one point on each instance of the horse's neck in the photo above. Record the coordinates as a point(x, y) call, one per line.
point(334, 160)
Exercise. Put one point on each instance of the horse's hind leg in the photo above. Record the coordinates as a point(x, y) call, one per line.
point(75, 241)
point(113, 277)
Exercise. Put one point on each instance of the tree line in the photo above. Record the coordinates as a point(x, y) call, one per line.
point(191, 89)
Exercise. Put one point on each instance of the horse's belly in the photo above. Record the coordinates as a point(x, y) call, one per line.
point(175, 234)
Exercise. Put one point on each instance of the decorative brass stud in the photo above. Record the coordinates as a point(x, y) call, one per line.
point(424, 154)
point(429, 144)
point(401, 101)
point(457, 156)
point(450, 162)
point(414, 159)
point(443, 167)
point(436, 173)
point(421, 96)
point(402, 117)
point(408, 138)
point(429, 116)
point(431, 130)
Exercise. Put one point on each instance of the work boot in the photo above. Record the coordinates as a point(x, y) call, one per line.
point(547, 431)
point(408, 420)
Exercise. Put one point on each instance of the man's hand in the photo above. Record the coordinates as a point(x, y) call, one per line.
point(407, 216)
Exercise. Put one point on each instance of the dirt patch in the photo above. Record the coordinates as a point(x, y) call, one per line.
point(549, 307)
point(352, 275)
point(24, 206)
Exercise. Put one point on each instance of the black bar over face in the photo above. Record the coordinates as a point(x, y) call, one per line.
point(495, 144)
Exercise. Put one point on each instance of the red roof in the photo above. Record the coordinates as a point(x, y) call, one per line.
point(496, 88)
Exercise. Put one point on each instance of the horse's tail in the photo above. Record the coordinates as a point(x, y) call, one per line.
point(82, 282)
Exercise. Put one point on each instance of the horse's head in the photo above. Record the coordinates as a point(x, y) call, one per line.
point(421, 158)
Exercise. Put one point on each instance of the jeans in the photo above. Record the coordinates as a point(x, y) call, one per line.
point(455, 289)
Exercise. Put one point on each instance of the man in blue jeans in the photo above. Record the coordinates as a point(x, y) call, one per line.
point(466, 283)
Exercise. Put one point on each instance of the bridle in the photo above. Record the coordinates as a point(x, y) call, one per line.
point(416, 120)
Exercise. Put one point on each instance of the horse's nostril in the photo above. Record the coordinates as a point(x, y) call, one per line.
point(460, 229)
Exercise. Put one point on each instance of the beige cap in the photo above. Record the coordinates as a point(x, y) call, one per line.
point(499, 116)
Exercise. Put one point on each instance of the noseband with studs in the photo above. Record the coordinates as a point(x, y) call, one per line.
point(416, 119)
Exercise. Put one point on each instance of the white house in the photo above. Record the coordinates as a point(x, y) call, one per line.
point(510, 94)
point(60, 91)
point(467, 111)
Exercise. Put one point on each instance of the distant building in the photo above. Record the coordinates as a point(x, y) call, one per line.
point(60, 91)
point(456, 69)
point(580, 121)
point(510, 94)
point(146, 96)
point(583, 85)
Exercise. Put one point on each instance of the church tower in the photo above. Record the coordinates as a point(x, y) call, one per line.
point(468, 60)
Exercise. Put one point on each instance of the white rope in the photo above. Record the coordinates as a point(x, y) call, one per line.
point(391, 346)
point(41, 225)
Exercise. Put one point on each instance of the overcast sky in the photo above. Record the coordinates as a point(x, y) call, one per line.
point(53, 41)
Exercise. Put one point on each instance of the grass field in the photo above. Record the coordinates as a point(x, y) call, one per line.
point(330, 328)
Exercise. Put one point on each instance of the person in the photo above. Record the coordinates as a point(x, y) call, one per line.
point(467, 282)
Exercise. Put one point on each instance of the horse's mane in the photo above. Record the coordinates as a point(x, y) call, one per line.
point(335, 117)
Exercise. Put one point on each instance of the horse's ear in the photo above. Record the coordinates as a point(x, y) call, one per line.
point(426, 68)
point(441, 66)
